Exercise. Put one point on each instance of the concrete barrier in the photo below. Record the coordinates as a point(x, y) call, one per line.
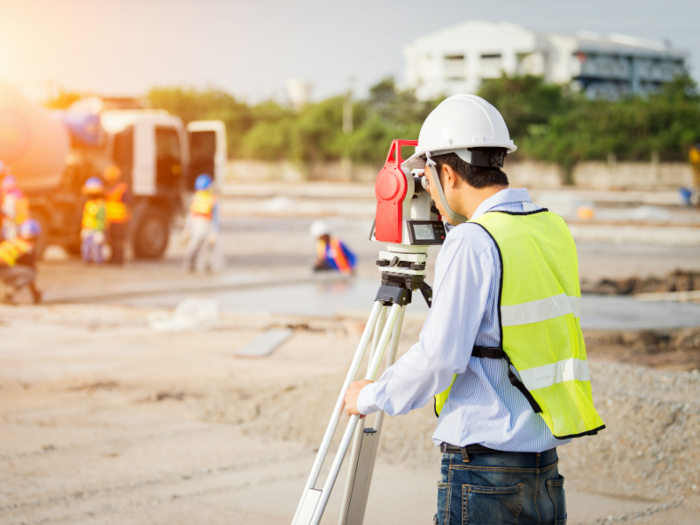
point(532, 174)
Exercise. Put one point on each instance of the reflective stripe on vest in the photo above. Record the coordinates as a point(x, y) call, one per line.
point(540, 303)
point(12, 250)
point(117, 211)
point(93, 215)
point(333, 253)
point(203, 204)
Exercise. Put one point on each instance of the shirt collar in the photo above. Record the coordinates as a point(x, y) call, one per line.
point(506, 196)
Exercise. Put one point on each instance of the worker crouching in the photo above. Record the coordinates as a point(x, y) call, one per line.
point(202, 228)
point(117, 204)
point(331, 253)
point(18, 262)
point(94, 223)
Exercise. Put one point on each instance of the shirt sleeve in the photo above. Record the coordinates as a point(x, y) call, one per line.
point(465, 275)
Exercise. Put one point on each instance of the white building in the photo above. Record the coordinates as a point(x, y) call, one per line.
point(457, 59)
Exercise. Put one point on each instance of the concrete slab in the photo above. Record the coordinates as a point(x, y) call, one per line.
point(266, 343)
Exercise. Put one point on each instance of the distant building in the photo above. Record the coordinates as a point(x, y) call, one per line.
point(457, 59)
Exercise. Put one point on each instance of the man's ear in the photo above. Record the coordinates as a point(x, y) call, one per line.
point(450, 177)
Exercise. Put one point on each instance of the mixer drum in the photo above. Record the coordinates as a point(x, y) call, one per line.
point(32, 142)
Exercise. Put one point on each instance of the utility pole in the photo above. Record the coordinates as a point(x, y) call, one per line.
point(345, 162)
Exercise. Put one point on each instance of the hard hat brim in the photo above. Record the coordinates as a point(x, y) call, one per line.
point(416, 162)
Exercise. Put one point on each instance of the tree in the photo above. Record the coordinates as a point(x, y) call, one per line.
point(192, 104)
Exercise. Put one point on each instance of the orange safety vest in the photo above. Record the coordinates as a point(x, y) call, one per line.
point(117, 210)
point(203, 204)
point(91, 215)
point(12, 250)
point(333, 252)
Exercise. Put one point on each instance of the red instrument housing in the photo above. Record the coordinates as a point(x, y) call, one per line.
point(390, 189)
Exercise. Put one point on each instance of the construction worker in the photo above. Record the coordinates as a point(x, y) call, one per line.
point(15, 206)
point(501, 353)
point(94, 223)
point(17, 260)
point(202, 226)
point(694, 193)
point(331, 253)
point(117, 203)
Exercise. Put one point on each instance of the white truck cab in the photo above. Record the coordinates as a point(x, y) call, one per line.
point(160, 158)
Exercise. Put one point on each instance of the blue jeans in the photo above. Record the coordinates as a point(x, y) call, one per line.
point(501, 488)
point(91, 251)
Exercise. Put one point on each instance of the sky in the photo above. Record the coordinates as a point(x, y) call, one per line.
point(251, 48)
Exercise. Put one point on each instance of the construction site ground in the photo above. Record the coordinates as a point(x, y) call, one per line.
point(105, 420)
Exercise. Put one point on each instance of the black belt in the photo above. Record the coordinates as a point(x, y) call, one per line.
point(471, 449)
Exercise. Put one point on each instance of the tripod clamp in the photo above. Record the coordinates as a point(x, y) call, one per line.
point(397, 288)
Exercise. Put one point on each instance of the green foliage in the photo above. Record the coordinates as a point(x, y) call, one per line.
point(192, 104)
point(63, 99)
point(525, 102)
point(388, 113)
point(547, 122)
point(553, 124)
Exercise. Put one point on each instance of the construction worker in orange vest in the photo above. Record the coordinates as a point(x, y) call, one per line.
point(117, 203)
point(18, 261)
point(94, 221)
point(331, 253)
point(15, 206)
point(202, 226)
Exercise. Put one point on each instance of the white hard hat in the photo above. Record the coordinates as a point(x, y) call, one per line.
point(460, 122)
point(319, 228)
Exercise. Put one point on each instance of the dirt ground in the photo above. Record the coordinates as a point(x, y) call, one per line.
point(104, 420)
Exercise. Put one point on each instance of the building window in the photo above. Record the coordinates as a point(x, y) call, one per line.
point(455, 67)
point(491, 65)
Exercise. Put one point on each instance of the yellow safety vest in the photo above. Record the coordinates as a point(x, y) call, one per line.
point(203, 204)
point(539, 310)
point(12, 250)
point(94, 215)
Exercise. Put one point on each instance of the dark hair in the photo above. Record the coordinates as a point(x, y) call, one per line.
point(476, 176)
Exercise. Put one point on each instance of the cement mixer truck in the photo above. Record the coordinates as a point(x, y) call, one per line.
point(53, 153)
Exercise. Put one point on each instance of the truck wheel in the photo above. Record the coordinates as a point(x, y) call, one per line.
point(72, 248)
point(151, 236)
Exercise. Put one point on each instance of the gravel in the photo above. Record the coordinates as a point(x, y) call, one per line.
point(648, 449)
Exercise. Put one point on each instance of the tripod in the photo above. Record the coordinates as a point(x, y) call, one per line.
point(403, 271)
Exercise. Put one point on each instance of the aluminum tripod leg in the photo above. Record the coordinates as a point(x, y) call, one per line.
point(359, 429)
point(314, 502)
point(364, 453)
point(337, 410)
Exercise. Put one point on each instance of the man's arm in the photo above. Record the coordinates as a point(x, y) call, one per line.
point(465, 284)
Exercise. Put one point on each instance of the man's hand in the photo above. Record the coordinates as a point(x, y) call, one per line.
point(351, 397)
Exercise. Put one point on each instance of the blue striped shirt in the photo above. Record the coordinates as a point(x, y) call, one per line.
point(483, 407)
